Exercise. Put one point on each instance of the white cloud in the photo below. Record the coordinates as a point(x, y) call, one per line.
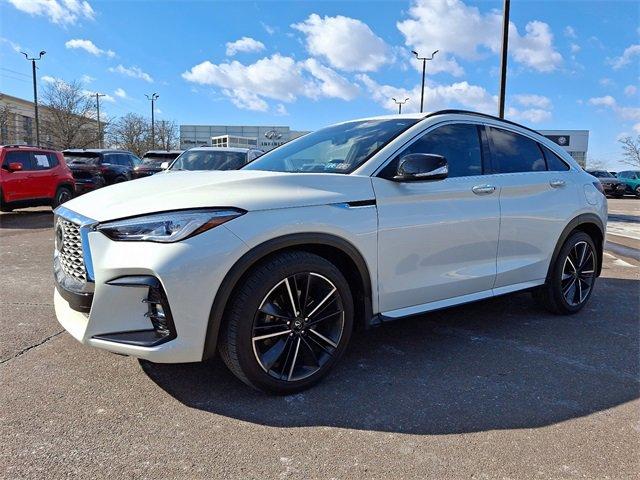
point(626, 57)
point(606, 82)
point(575, 48)
point(630, 90)
point(275, 78)
point(64, 12)
point(570, 32)
point(87, 78)
point(49, 79)
point(626, 113)
point(14, 46)
point(346, 43)
point(245, 44)
point(281, 110)
point(88, 46)
point(119, 92)
point(533, 115)
point(532, 100)
point(134, 72)
point(636, 128)
point(103, 97)
point(459, 30)
point(268, 28)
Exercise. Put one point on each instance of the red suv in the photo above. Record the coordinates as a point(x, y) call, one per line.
point(33, 176)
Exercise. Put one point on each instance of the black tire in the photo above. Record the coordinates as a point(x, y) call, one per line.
point(637, 191)
point(553, 294)
point(63, 194)
point(3, 206)
point(237, 344)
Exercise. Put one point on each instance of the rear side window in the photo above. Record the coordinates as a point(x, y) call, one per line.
point(515, 153)
point(458, 143)
point(23, 158)
point(44, 161)
point(554, 162)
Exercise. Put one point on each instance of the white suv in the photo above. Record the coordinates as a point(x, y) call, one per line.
point(363, 222)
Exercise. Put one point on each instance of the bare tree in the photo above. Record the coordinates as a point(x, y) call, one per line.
point(6, 118)
point(166, 135)
point(631, 151)
point(69, 120)
point(596, 164)
point(131, 132)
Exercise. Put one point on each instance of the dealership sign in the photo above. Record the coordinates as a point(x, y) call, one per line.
point(562, 140)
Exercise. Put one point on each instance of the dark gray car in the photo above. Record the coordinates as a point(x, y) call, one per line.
point(611, 185)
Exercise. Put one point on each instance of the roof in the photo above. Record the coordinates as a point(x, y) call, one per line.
point(224, 149)
point(157, 152)
point(94, 150)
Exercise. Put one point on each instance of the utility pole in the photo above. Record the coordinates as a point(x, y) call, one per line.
point(98, 95)
point(424, 68)
point(153, 97)
point(35, 91)
point(399, 103)
point(503, 59)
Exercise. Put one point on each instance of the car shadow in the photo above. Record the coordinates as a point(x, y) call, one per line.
point(498, 364)
point(27, 220)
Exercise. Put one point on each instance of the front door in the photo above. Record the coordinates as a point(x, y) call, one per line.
point(15, 184)
point(437, 239)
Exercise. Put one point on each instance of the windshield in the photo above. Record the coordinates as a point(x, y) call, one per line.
point(337, 149)
point(82, 157)
point(209, 160)
point(158, 158)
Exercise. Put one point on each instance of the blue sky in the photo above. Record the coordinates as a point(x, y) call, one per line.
point(572, 65)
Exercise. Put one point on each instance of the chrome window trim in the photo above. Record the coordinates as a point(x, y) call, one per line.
point(86, 225)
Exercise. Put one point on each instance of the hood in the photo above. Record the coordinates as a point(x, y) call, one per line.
point(246, 189)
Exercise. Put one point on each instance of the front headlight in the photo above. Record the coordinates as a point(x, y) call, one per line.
point(168, 227)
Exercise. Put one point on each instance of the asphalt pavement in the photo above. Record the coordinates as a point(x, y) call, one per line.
point(494, 389)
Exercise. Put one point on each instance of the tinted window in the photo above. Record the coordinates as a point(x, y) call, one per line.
point(515, 153)
point(459, 143)
point(23, 158)
point(43, 161)
point(134, 160)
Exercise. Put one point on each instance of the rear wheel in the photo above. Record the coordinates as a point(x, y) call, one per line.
point(637, 191)
point(63, 194)
point(3, 205)
point(288, 324)
point(572, 276)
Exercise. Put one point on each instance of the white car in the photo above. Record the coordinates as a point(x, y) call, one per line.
point(363, 222)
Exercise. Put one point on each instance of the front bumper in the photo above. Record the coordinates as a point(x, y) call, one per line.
point(188, 273)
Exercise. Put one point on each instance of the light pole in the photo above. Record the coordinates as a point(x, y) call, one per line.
point(98, 95)
point(35, 91)
point(503, 59)
point(399, 103)
point(153, 98)
point(424, 67)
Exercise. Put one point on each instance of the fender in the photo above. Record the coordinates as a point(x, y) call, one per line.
point(260, 251)
point(585, 218)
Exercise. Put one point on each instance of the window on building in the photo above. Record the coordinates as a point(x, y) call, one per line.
point(515, 153)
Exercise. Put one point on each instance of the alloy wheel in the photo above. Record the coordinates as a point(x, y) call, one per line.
point(64, 196)
point(578, 273)
point(298, 326)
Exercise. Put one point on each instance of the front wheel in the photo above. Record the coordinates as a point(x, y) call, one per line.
point(288, 323)
point(572, 276)
point(63, 194)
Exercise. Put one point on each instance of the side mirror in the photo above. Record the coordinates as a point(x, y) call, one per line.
point(164, 165)
point(15, 166)
point(416, 167)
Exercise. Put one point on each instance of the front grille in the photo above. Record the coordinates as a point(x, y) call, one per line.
point(69, 245)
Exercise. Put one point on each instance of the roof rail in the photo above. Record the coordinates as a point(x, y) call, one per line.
point(25, 146)
point(479, 114)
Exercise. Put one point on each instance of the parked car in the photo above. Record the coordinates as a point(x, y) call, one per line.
point(33, 176)
point(152, 162)
point(356, 224)
point(631, 179)
point(611, 185)
point(214, 158)
point(95, 168)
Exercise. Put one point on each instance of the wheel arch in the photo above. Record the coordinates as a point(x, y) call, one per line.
point(589, 223)
point(342, 253)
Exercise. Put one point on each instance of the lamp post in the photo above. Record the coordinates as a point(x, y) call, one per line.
point(399, 103)
point(424, 67)
point(35, 91)
point(98, 95)
point(503, 58)
point(153, 97)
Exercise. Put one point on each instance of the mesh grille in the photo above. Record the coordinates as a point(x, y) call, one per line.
point(71, 258)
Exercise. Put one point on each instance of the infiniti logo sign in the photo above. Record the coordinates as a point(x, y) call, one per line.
point(273, 135)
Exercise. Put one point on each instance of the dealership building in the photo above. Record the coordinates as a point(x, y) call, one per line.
point(265, 138)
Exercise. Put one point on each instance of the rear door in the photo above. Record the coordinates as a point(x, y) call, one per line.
point(536, 202)
point(437, 240)
point(43, 180)
point(16, 185)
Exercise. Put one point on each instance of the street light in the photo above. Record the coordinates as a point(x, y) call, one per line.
point(424, 66)
point(35, 91)
point(503, 57)
point(399, 103)
point(153, 97)
point(98, 95)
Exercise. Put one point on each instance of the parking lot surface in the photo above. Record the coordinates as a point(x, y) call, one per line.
point(494, 389)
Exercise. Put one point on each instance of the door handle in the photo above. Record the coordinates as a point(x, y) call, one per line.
point(483, 189)
point(556, 183)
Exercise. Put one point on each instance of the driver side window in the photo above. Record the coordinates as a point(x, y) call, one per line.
point(458, 143)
